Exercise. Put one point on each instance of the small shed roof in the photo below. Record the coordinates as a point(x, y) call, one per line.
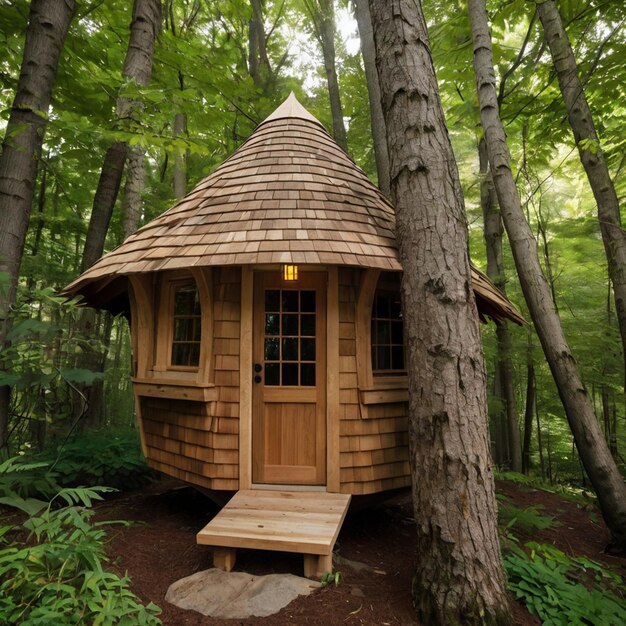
point(289, 194)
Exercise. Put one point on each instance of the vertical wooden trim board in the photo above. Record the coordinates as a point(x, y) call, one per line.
point(245, 380)
point(365, 298)
point(333, 481)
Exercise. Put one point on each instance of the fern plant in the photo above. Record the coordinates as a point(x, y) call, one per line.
point(57, 576)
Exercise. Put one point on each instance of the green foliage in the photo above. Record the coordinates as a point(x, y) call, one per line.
point(330, 577)
point(110, 458)
point(528, 520)
point(56, 576)
point(551, 592)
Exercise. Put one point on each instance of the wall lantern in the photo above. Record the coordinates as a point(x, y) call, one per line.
point(290, 272)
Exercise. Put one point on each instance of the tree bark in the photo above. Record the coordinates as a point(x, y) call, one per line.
point(453, 487)
point(138, 67)
point(48, 23)
point(327, 40)
point(180, 158)
point(144, 27)
point(495, 271)
point(599, 464)
point(590, 152)
point(133, 190)
point(379, 132)
point(528, 416)
point(258, 62)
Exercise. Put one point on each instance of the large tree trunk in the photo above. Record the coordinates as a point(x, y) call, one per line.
point(495, 271)
point(586, 138)
point(379, 132)
point(48, 23)
point(453, 487)
point(327, 40)
point(599, 464)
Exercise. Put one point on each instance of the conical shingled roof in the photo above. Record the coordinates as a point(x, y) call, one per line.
point(289, 194)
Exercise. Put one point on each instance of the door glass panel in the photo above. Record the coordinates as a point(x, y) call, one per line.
point(290, 301)
point(307, 301)
point(290, 374)
point(272, 300)
point(272, 323)
point(272, 374)
point(290, 324)
point(307, 349)
point(307, 325)
point(289, 348)
point(272, 350)
point(307, 374)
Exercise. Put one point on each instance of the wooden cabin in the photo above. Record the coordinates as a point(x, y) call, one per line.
point(265, 321)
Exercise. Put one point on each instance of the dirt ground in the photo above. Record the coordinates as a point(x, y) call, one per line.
point(161, 549)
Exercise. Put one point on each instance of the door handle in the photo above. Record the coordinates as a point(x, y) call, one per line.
point(258, 367)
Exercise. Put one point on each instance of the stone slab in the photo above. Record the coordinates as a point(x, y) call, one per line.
point(237, 595)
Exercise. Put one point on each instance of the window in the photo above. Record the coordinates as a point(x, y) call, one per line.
point(387, 334)
point(186, 325)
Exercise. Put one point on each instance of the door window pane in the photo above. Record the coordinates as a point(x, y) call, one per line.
point(307, 349)
point(272, 300)
point(307, 325)
point(272, 374)
point(307, 301)
point(290, 349)
point(290, 301)
point(272, 323)
point(290, 374)
point(290, 324)
point(272, 349)
point(307, 374)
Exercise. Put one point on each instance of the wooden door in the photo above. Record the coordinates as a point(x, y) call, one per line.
point(289, 388)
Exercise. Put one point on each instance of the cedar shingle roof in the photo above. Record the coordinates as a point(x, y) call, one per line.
point(289, 194)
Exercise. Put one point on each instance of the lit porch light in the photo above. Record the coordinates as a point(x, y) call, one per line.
point(290, 272)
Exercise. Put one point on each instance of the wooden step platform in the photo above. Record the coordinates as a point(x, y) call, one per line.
point(287, 521)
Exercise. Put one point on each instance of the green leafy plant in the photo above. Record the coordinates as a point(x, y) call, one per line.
point(528, 519)
point(114, 459)
point(51, 566)
point(549, 592)
point(329, 578)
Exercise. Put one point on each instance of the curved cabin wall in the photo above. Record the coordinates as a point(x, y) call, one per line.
point(374, 409)
point(189, 417)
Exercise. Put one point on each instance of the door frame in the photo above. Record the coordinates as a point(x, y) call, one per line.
point(332, 378)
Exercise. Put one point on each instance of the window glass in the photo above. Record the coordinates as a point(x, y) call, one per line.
point(387, 333)
point(187, 328)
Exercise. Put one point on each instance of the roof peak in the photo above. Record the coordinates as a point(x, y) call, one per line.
point(291, 108)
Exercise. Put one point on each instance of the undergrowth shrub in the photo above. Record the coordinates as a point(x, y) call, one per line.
point(51, 564)
point(113, 459)
point(527, 520)
point(550, 590)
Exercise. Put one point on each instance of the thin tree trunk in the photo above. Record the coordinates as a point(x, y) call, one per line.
point(40, 219)
point(453, 487)
point(530, 406)
point(133, 190)
point(258, 62)
point(539, 434)
point(48, 23)
point(180, 158)
point(590, 152)
point(596, 457)
point(379, 132)
point(137, 67)
point(495, 271)
point(327, 40)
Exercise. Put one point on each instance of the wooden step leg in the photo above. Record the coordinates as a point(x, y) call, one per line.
point(316, 565)
point(224, 558)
